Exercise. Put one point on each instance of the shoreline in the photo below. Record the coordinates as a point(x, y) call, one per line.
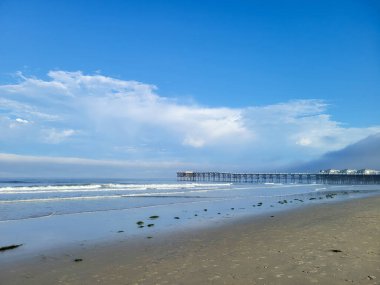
point(49, 234)
point(291, 247)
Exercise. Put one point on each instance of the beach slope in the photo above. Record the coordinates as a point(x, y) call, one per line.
point(333, 243)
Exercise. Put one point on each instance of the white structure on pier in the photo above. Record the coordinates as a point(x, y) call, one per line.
point(364, 171)
point(349, 171)
point(330, 171)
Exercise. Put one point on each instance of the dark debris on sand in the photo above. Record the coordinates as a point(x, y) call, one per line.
point(8, 247)
point(154, 217)
point(335, 250)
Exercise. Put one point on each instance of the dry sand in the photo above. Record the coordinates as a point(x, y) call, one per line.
point(327, 244)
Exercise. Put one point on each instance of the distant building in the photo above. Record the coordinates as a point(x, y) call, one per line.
point(366, 171)
point(330, 171)
point(348, 171)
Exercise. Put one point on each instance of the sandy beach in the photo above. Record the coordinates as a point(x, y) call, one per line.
point(334, 243)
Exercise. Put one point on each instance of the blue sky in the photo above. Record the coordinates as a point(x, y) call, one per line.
point(229, 85)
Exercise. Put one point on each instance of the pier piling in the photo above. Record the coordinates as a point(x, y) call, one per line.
point(285, 178)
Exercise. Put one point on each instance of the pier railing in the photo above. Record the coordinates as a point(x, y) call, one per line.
point(285, 178)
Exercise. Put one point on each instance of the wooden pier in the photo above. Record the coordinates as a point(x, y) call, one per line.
point(285, 178)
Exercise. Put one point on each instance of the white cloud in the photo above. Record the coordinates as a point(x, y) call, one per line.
point(57, 136)
point(18, 123)
point(22, 121)
point(304, 141)
point(193, 142)
point(109, 112)
point(16, 108)
point(120, 103)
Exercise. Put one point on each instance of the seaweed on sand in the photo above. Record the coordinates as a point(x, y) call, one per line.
point(154, 217)
point(335, 250)
point(8, 247)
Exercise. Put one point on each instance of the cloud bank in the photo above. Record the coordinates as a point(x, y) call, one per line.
point(98, 117)
point(12, 165)
point(362, 154)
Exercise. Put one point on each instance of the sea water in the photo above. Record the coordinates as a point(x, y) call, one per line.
point(47, 213)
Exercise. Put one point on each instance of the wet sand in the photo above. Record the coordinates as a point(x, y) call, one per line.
point(332, 243)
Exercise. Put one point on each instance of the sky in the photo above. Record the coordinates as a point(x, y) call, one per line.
point(146, 88)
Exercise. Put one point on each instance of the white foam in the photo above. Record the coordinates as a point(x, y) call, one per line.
point(318, 189)
point(104, 187)
point(49, 188)
point(60, 199)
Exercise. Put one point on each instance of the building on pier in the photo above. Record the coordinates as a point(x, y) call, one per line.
point(366, 171)
point(349, 171)
point(330, 171)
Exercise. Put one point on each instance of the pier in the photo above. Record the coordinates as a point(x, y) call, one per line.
point(285, 178)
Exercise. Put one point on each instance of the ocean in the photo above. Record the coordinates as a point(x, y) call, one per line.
point(42, 213)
